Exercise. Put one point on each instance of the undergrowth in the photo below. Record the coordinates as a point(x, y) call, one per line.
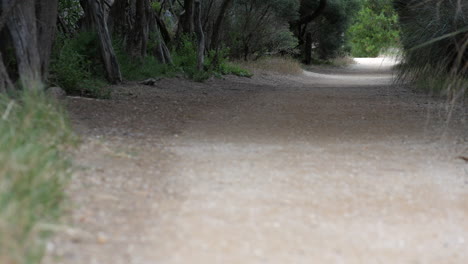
point(282, 65)
point(76, 68)
point(76, 65)
point(33, 173)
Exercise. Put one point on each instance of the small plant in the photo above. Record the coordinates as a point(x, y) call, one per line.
point(185, 57)
point(218, 64)
point(33, 174)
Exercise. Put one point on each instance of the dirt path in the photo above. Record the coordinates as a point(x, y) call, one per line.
point(316, 168)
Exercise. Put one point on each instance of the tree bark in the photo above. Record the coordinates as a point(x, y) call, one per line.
point(46, 12)
point(219, 21)
point(139, 39)
point(200, 36)
point(306, 19)
point(5, 81)
point(308, 48)
point(120, 21)
point(187, 19)
point(22, 27)
point(163, 29)
point(96, 10)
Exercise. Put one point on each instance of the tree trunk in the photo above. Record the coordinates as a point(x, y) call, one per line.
point(161, 51)
point(46, 12)
point(308, 48)
point(22, 27)
point(5, 82)
point(187, 19)
point(96, 9)
point(139, 40)
point(200, 36)
point(120, 21)
point(163, 29)
point(218, 23)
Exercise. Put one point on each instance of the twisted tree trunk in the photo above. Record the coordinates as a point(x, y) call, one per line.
point(219, 21)
point(139, 38)
point(96, 9)
point(5, 81)
point(200, 36)
point(23, 30)
point(187, 20)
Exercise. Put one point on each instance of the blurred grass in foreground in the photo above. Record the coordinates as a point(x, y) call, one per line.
point(34, 132)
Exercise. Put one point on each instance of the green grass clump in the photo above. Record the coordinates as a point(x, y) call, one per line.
point(234, 69)
point(33, 173)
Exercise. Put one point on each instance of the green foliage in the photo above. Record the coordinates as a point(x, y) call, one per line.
point(70, 12)
point(185, 61)
point(156, 6)
point(229, 68)
point(329, 29)
point(33, 174)
point(141, 68)
point(258, 28)
point(76, 67)
point(375, 29)
point(185, 57)
point(218, 64)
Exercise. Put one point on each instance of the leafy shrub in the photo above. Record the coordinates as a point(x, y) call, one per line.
point(234, 69)
point(185, 56)
point(258, 28)
point(218, 64)
point(33, 174)
point(328, 31)
point(76, 67)
point(373, 31)
point(140, 69)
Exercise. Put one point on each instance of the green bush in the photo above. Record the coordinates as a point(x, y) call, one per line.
point(140, 69)
point(329, 29)
point(218, 64)
point(76, 66)
point(259, 28)
point(373, 32)
point(33, 174)
point(185, 57)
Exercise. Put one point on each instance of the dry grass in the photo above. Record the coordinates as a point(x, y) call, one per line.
point(281, 65)
point(33, 174)
point(342, 61)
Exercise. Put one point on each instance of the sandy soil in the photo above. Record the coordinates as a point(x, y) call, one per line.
point(335, 167)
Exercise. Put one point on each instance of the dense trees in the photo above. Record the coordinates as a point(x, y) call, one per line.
point(196, 35)
point(139, 29)
point(375, 29)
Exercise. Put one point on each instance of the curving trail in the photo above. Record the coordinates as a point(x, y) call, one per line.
point(331, 167)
